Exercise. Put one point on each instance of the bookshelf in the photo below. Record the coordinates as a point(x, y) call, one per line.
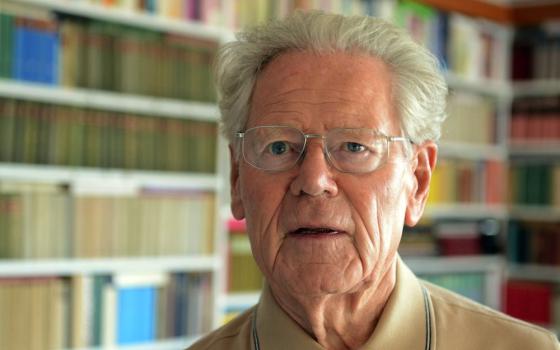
point(497, 90)
point(133, 18)
point(110, 183)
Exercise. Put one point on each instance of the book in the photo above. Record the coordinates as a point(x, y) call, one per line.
point(533, 242)
point(458, 237)
point(529, 301)
point(136, 307)
point(41, 133)
point(33, 306)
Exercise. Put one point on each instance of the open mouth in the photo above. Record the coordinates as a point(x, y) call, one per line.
point(317, 231)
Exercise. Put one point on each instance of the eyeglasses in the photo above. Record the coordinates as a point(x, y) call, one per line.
point(279, 148)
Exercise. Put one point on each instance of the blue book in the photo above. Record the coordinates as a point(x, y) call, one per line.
point(440, 30)
point(44, 57)
point(31, 51)
point(18, 51)
point(38, 70)
point(136, 314)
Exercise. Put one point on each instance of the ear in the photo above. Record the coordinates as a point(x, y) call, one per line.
point(237, 208)
point(424, 163)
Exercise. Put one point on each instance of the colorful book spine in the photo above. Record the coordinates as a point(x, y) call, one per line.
point(47, 221)
point(529, 301)
point(465, 181)
point(533, 243)
point(536, 53)
point(40, 133)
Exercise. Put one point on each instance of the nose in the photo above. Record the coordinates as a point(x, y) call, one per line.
point(314, 173)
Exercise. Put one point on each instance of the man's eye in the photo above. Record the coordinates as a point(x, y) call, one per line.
point(278, 147)
point(354, 147)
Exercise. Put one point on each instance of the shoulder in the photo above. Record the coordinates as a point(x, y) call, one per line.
point(461, 323)
point(233, 335)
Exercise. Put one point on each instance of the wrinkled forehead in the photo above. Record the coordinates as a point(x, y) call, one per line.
point(305, 89)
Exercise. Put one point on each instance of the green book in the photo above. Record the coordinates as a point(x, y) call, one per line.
point(546, 186)
point(522, 184)
point(75, 130)
point(95, 39)
point(7, 129)
point(6, 42)
point(43, 131)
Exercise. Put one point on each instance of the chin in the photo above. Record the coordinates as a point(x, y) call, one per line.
point(318, 281)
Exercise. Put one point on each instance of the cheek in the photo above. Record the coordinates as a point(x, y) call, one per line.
point(379, 215)
point(262, 196)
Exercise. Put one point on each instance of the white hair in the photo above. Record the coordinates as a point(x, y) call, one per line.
point(420, 86)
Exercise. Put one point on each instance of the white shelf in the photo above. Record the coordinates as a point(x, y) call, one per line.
point(70, 266)
point(472, 151)
point(535, 212)
point(466, 211)
point(109, 100)
point(439, 264)
point(535, 149)
point(129, 178)
point(500, 89)
point(536, 88)
point(534, 272)
point(137, 19)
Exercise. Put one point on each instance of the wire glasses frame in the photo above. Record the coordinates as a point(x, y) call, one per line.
point(276, 148)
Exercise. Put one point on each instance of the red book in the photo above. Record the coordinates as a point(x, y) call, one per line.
point(519, 120)
point(529, 301)
point(495, 185)
point(458, 238)
point(465, 245)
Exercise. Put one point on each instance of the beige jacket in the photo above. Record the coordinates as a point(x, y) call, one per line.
point(418, 316)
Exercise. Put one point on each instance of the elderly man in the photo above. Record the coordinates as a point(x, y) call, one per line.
point(332, 122)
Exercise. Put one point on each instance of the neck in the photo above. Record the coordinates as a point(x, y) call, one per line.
point(340, 321)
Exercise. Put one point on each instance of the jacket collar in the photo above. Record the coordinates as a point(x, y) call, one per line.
point(402, 325)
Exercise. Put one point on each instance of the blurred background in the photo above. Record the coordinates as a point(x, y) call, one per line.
point(115, 229)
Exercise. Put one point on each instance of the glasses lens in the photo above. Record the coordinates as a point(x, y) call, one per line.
point(356, 150)
point(273, 148)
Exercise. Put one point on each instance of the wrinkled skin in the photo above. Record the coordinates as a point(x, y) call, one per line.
point(334, 284)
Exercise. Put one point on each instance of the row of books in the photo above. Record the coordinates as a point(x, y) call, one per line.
point(238, 13)
point(451, 238)
point(468, 284)
point(50, 222)
point(536, 302)
point(472, 48)
point(466, 181)
point(85, 311)
point(536, 53)
point(40, 133)
point(77, 52)
point(535, 183)
point(535, 119)
point(472, 118)
point(533, 243)
point(243, 273)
